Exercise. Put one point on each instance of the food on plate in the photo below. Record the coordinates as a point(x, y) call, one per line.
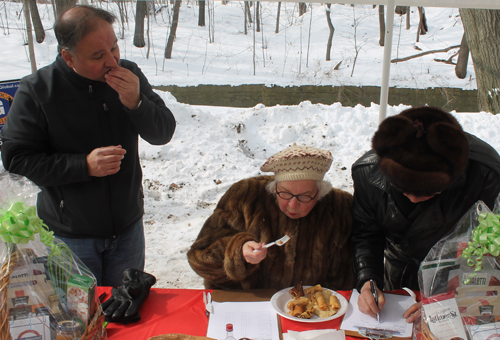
point(297, 291)
point(334, 303)
point(312, 302)
point(313, 289)
point(320, 299)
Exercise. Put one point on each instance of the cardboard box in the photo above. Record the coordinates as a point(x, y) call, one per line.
point(33, 328)
point(81, 298)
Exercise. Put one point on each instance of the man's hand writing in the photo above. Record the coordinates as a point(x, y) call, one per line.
point(105, 161)
point(126, 84)
point(250, 256)
point(366, 301)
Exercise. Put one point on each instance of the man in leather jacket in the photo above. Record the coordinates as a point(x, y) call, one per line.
point(422, 175)
point(73, 130)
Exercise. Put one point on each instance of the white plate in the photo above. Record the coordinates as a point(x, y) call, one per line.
point(281, 298)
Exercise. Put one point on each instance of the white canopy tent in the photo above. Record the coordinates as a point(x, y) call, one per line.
point(391, 4)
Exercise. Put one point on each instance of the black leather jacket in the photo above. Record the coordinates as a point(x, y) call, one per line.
point(387, 226)
point(57, 118)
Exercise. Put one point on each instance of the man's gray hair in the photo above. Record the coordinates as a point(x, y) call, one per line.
point(70, 29)
point(324, 188)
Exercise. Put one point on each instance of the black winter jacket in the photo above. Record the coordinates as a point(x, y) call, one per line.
point(57, 118)
point(386, 225)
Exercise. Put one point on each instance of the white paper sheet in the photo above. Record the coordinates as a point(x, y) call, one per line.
point(253, 320)
point(391, 317)
point(317, 334)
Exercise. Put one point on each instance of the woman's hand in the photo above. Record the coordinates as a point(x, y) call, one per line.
point(366, 301)
point(253, 257)
point(413, 313)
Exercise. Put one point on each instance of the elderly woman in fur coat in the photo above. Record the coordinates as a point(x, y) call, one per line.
point(297, 202)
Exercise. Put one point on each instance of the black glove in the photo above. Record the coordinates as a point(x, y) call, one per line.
point(126, 300)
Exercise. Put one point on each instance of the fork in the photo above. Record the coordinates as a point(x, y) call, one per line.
point(278, 242)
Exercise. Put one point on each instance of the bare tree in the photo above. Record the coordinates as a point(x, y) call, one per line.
point(63, 5)
point(257, 16)
point(30, 36)
point(201, 13)
point(278, 18)
point(422, 24)
point(123, 18)
point(247, 12)
point(481, 28)
point(173, 30)
point(302, 8)
point(463, 59)
point(37, 23)
point(381, 22)
point(332, 30)
point(140, 13)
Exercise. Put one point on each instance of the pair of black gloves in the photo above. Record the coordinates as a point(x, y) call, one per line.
point(125, 301)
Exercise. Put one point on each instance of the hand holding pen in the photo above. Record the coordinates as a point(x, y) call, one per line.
point(369, 302)
point(373, 288)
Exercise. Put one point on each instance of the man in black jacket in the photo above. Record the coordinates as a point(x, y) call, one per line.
point(73, 130)
point(422, 175)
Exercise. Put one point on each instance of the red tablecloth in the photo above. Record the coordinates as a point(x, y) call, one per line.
point(165, 311)
point(182, 311)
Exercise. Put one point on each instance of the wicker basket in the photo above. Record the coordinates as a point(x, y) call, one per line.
point(94, 331)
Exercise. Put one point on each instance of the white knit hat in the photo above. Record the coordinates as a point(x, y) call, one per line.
point(299, 163)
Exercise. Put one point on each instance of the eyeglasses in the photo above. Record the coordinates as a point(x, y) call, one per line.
point(301, 198)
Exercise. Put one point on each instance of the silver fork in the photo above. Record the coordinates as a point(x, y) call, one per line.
point(278, 242)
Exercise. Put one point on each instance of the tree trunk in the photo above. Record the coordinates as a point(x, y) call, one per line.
point(423, 21)
point(247, 11)
point(401, 10)
point(381, 21)
point(173, 30)
point(201, 13)
point(37, 23)
point(63, 5)
point(481, 28)
point(30, 35)
point(463, 59)
point(332, 30)
point(257, 16)
point(245, 21)
point(408, 18)
point(302, 8)
point(278, 18)
point(140, 13)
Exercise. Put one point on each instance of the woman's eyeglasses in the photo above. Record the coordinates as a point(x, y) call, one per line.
point(301, 198)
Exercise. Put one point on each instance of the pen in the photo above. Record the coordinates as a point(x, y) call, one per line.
point(375, 296)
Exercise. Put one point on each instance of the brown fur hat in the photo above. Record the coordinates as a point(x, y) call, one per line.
point(422, 150)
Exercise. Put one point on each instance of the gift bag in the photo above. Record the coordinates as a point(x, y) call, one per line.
point(460, 279)
point(46, 292)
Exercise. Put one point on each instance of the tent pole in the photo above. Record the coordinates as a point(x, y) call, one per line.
point(384, 91)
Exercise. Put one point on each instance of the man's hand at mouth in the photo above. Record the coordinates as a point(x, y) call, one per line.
point(126, 84)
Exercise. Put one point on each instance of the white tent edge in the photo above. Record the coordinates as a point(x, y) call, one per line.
point(391, 5)
point(482, 4)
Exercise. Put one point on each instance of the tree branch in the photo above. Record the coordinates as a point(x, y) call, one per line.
point(424, 53)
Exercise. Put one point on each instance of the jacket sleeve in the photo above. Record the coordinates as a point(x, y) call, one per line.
point(27, 150)
point(368, 239)
point(153, 121)
point(216, 255)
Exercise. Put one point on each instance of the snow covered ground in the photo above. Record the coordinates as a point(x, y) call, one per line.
point(213, 147)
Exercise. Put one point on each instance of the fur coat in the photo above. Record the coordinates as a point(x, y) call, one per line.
point(318, 250)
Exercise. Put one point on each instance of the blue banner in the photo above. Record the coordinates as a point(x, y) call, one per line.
point(7, 91)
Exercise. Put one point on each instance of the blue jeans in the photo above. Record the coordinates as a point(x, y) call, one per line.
point(107, 259)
